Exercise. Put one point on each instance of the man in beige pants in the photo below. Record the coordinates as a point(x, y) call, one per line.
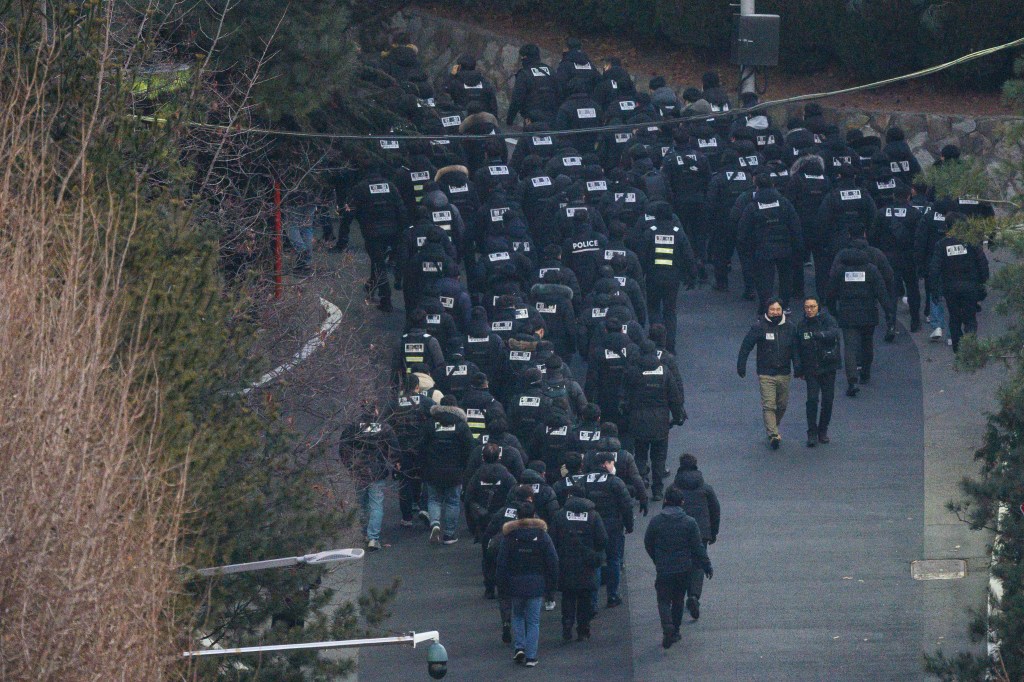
point(775, 339)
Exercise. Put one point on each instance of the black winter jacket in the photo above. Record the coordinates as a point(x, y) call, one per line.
point(817, 340)
point(446, 445)
point(775, 347)
point(673, 541)
point(580, 539)
point(700, 502)
point(855, 289)
point(653, 398)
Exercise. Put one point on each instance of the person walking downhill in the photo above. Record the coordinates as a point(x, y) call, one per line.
point(774, 337)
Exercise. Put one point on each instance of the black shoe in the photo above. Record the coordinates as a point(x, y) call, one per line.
point(667, 641)
point(852, 390)
point(566, 633)
point(519, 656)
point(915, 325)
point(489, 593)
point(774, 442)
point(614, 601)
point(693, 606)
point(865, 376)
point(676, 636)
point(812, 438)
point(656, 496)
point(583, 633)
point(506, 634)
point(823, 437)
point(385, 307)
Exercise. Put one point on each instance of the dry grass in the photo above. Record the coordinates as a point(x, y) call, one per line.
point(88, 520)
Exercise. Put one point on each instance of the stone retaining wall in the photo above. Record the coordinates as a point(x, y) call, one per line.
point(441, 41)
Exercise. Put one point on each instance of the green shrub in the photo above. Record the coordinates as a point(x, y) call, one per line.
point(953, 28)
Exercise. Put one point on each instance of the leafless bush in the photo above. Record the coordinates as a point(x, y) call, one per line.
point(88, 519)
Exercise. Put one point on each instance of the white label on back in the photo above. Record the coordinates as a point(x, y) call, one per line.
point(704, 144)
point(389, 144)
point(956, 250)
point(501, 255)
point(611, 355)
point(420, 175)
point(497, 170)
point(598, 312)
point(627, 105)
point(498, 214)
point(769, 336)
point(621, 138)
point(441, 216)
point(414, 348)
point(529, 401)
point(505, 326)
point(542, 308)
point(858, 276)
point(765, 207)
point(434, 319)
point(458, 188)
point(540, 71)
point(447, 301)
point(664, 239)
point(573, 516)
point(586, 112)
point(381, 188)
point(541, 181)
point(572, 160)
point(596, 185)
point(849, 194)
point(659, 371)
point(541, 141)
point(451, 121)
point(582, 67)
point(520, 355)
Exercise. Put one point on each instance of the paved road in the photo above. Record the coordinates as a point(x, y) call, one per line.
point(812, 577)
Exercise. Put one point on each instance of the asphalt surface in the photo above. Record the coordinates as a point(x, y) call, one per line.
point(812, 565)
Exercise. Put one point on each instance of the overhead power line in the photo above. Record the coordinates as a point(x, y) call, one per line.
point(621, 127)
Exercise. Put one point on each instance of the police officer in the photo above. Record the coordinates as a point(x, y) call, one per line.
point(769, 230)
point(416, 346)
point(606, 370)
point(816, 360)
point(654, 405)
point(855, 289)
point(725, 188)
point(806, 190)
point(466, 85)
point(527, 408)
point(583, 251)
point(376, 203)
point(488, 491)
point(577, 112)
point(897, 227)
point(612, 501)
point(407, 413)
point(445, 447)
point(482, 346)
point(846, 210)
point(667, 258)
point(535, 94)
point(958, 272)
point(580, 539)
point(481, 407)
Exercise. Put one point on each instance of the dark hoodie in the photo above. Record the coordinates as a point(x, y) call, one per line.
point(653, 398)
point(544, 499)
point(553, 303)
point(527, 565)
point(580, 538)
point(854, 288)
point(445, 447)
point(615, 84)
point(700, 502)
point(468, 85)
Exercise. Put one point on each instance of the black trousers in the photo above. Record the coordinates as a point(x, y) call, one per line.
point(488, 565)
point(377, 249)
point(672, 591)
point(963, 316)
point(858, 351)
point(577, 607)
point(410, 490)
point(721, 246)
point(906, 273)
point(661, 307)
point(823, 257)
point(650, 456)
point(691, 216)
point(764, 280)
point(821, 390)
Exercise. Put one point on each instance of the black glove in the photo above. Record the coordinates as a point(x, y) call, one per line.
point(712, 540)
point(709, 573)
point(643, 508)
point(742, 371)
point(890, 333)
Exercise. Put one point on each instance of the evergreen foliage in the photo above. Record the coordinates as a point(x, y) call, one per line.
point(993, 499)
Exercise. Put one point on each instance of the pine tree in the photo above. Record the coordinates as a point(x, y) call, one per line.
point(994, 499)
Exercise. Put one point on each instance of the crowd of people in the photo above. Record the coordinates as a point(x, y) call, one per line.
point(536, 381)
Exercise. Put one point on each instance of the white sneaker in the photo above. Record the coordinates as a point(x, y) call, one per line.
point(949, 342)
point(549, 606)
point(373, 545)
point(936, 334)
point(435, 534)
point(904, 299)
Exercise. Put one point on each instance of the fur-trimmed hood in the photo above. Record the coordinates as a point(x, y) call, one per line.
point(527, 343)
point(805, 160)
point(447, 414)
point(545, 290)
point(524, 524)
point(478, 118)
point(455, 168)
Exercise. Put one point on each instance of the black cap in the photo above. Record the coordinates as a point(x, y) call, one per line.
point(529, 51)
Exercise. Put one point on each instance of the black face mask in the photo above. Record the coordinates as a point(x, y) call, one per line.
point(775, 320)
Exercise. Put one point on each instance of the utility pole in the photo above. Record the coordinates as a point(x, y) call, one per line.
point(747, 72)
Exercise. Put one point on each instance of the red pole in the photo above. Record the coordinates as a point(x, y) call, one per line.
point(277, 239)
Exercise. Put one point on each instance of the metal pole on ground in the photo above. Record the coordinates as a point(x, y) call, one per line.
point(747, 83)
